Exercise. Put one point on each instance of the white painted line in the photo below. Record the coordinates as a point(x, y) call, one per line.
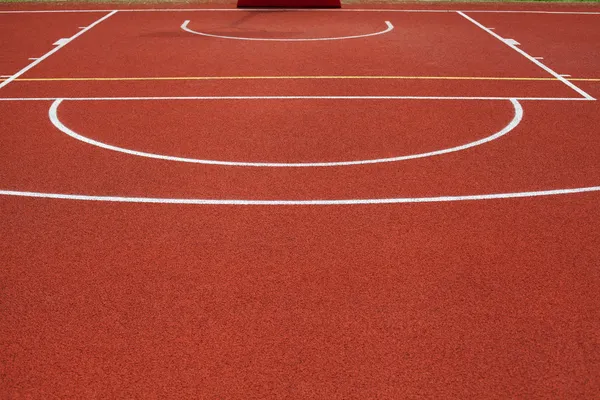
point(292, 97)
point(252, 202)
point(52, 11)
point(383, 10)
point(565, 75)
point(61, 42)
point(530, 58)
point(33, 58)
point(242, 10)
point(54, 50)
point(534, 12)
point(53, 115)
point(511, 42)
point(82, 27)
point(5, 76)
point(184, 26)
point(539, 58)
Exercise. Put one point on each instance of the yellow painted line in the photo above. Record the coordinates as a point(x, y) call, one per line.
point(216, 78)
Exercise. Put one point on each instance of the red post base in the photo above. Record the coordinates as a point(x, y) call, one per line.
point(290, 3)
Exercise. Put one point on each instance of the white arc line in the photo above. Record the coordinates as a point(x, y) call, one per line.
point(55, 49)
point(184, 26)
point(251, 202)
point(53, 115)
point(530, 58)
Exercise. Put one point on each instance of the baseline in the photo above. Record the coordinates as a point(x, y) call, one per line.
point(184, 26)
point(159, 98)
point(53, 115)
point(298, 10)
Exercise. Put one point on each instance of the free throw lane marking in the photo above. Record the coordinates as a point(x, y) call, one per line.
point(53, 115)
point(61, 42)
point(184, 26)
point(54, 50)
point(530, 58)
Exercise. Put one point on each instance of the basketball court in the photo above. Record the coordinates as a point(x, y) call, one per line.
point(395, 202)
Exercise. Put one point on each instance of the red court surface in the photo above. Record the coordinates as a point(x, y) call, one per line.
point(395, 202)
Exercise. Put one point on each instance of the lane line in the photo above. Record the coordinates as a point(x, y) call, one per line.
point(62, 41)
point(300, 10)
point(184, 26)
point(530, 58)
point(252, 202)
point(512, 42)
point(297, 77)
point(150, 98)
point(53, 115)
point(54, 50)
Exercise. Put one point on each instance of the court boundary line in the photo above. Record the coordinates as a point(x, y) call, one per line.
point(297, 77)
point(55, 49)
point(537, 62)
point(333, 202)
point(153, 98)
point(58, 124)
point(298, 10)
point(185, 27)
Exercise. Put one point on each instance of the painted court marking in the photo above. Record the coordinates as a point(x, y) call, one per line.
point(297, 77)
point(556, 76)
point(511, 43)
point(250, 202)
point(262, 10)
point(61, 42)
point(54, 50)
point(53, 115)
point(159, 98)
point(198, 201)
point(184, 26)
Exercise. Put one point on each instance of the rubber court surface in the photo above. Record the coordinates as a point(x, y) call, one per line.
point(395, 202)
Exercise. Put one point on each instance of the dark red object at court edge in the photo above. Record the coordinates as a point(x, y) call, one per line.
point(290, 3)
